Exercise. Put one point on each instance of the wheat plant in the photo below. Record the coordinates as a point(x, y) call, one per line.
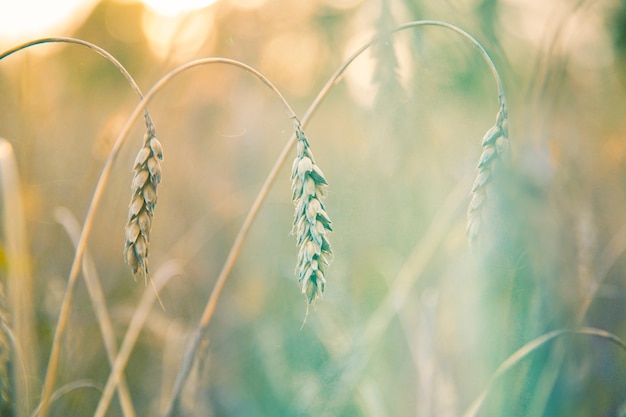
point(339, 383)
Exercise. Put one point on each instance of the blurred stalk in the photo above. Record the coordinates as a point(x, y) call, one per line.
point(161, 277)
point(548, 379)
point(96, 295)
point(531, 347)
point(211, 305)
point(88, 224)
point(19, 281)
point(359, 353)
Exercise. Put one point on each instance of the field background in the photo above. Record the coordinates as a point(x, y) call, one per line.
point(413, 321)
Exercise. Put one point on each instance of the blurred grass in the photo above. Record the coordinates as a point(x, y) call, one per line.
point(393, 147)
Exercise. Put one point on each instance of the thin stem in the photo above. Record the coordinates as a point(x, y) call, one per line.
point(356, 358)
point(67, 298)
point(161, 277)
point(66, 219)
point(97, 196)
point(88, 45)
point(335, 78)
point(211, 305)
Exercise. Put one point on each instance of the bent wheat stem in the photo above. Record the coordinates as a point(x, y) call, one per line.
point(67, 298)
point(108, 166)
point(89, 45)
point(209, 310)
point(495, 141)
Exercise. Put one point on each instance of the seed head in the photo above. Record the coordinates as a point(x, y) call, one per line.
point(495, 144)
point(146, 177)
point(311, 222)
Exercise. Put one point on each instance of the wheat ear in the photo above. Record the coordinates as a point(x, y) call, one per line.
point(495, 143)
point(146, 177)
point(311, 223)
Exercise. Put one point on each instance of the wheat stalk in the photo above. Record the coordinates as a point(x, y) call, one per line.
point(146, 177)
point(190, 355)
point(55, 351)
point(311, 222)
point(495, 142)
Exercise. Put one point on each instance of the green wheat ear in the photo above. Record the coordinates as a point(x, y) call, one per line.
point(495, 144)
point(311, 222)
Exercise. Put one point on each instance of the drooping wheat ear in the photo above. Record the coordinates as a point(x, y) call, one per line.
point(147, 175)
point(495, 144)
point(311, 223)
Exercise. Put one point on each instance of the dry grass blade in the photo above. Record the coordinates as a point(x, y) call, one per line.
point(161, 277)
point(66, 389)
point(396, 297)
point(19, 281)
point(311, 222)
point(96, 295)
point(529, 348)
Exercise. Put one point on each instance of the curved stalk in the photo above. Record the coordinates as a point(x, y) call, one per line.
point(529, 348)
point(97, 196)
point(209, 310)
point(335, 78)
point(127, 407)
point(93, 47)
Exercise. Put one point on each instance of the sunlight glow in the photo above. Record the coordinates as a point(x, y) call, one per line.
point(23, 20)
point(172, 8)
point(247, 4)
point(180, 36)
